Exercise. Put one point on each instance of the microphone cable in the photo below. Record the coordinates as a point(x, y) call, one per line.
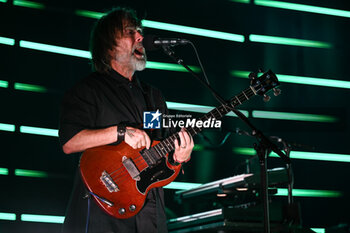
point(200, 63)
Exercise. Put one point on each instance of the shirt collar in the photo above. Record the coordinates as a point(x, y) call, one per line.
point(122, 80)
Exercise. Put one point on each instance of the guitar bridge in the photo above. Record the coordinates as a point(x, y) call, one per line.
point(108, 182)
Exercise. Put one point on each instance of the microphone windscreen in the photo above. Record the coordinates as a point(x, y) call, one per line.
point(148, 43)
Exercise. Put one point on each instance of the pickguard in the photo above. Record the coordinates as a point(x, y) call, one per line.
point(154, 174)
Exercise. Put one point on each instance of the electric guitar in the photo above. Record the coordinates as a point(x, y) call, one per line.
point(119, 177)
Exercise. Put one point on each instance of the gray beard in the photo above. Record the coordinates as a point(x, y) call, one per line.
point(134, 63)
point(140, 64)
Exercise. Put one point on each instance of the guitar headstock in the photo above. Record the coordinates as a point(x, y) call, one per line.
point(264, 83)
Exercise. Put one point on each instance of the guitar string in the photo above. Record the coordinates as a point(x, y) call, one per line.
point(136, 160)
point(139, 162)
point(124, 169)
point(138, 157)
point(124, 175)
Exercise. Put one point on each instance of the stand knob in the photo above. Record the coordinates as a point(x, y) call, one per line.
point(276, 91)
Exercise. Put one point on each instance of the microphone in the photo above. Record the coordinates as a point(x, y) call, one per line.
point(151, 42)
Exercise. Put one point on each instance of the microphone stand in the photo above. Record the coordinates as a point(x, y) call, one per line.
point(263, 148)
point(287, 149)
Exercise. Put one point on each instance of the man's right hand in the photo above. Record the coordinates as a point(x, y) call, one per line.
point(137, 138)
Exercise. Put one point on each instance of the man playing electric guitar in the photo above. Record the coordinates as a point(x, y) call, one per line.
point(105, 108)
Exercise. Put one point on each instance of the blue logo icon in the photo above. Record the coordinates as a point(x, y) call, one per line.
point(151, 120)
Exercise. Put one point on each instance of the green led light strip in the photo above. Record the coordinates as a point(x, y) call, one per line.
point(244, 74)
point(42, 218)
point(30, 87)
point(197, 108)
point(318, 230)
point(28, 4)
point(4, 84)
point(198, 147)
point(7, 216)
point(241, 1)
point(300, 80)
point(7, 41)
point(7, 127)
point(169, 66)
point(193, 31)
point(4, 171)
point(174, 28)
point(86, 54)
point(299, 155)
point(314, 81)
point(4, 1)
point(244, 151)
point(54, 49)
point(89, 14)
point(289, 41)
point(31, 173)
point(303, 8)
point(309, 193)
point(318, 156)
point(39, 131)
point(182, 185)
point(280, 191)
point(293, 116)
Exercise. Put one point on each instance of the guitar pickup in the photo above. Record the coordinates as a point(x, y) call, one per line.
point(150, 156)
point(108, 182)
point(131, 168)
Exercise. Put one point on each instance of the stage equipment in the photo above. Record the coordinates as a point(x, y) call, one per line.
point(241, 208)
point(151, 42)
point(264, 145)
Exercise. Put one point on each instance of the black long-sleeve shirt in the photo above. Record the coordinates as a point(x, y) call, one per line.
point(100, 101)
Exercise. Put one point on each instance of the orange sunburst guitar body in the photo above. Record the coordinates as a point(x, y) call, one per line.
point(119, 177)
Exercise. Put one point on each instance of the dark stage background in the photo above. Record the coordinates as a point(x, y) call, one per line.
point(36, 177)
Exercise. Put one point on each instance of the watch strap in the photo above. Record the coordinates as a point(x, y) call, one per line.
point(121, 132)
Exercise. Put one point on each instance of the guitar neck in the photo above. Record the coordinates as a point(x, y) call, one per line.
point(167, 145)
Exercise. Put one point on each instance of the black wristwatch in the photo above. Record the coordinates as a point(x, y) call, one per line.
point(121, 132)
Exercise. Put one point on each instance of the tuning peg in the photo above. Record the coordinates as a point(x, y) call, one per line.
point(252, 76)
point(276, 91)
point(266, 98)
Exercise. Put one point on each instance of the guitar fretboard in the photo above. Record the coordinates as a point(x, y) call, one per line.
point(167, 145)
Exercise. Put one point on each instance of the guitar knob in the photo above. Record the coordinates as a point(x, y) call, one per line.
point(132, 208)
point(276, 91)
point(121, 211)
point(266, 98)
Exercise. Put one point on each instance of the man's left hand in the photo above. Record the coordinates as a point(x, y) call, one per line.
point(183, 150)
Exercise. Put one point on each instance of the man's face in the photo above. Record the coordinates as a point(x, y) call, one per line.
point(129, 52)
